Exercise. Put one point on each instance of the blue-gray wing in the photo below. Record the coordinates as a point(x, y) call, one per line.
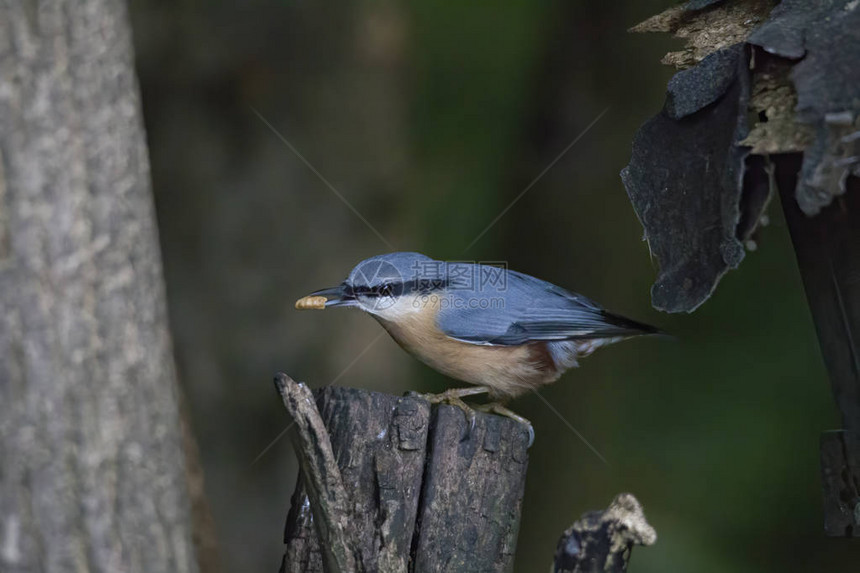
point(525, 309)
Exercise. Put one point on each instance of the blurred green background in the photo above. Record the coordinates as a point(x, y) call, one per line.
point(430, 118)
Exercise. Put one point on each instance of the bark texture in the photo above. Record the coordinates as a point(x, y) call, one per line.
point(602, 541)
point(804, 145)
point(794, 56)
point(92, 475)
point(472, 494)
point(425, 492)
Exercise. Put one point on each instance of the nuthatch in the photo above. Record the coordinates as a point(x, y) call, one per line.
point(504, 331)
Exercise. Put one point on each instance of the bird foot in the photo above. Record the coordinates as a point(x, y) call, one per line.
point(454, 397)
point(498, 408)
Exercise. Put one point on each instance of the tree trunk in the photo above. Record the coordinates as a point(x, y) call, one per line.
point(828, 255)
point(92, 475)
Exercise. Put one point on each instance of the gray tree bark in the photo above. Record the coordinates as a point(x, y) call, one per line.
point(91, 465)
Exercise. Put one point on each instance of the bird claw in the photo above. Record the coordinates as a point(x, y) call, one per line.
point(416, 395)
point(468, 411)
point(497, 408)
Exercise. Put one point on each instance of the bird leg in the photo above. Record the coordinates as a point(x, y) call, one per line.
point(501, 410)
point(452, 396)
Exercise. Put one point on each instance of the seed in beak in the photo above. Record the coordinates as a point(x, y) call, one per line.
point(311, 303)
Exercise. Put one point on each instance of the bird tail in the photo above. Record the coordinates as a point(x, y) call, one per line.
point(623, 326)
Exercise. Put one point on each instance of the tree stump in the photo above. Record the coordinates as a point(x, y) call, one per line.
point(389, 484)
point(602, 541)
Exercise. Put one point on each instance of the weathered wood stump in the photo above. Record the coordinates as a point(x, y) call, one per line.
point(602, 541)
point(389, 484)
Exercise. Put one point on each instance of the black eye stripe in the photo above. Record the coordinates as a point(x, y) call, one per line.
point(392, 289)
point(376, 290)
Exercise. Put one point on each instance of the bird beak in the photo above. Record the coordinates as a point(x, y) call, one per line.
point(340, 295)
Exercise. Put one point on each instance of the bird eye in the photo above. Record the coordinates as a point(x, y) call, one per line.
point(385, 290)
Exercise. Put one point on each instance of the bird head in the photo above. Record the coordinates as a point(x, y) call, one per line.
point(384, 285)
